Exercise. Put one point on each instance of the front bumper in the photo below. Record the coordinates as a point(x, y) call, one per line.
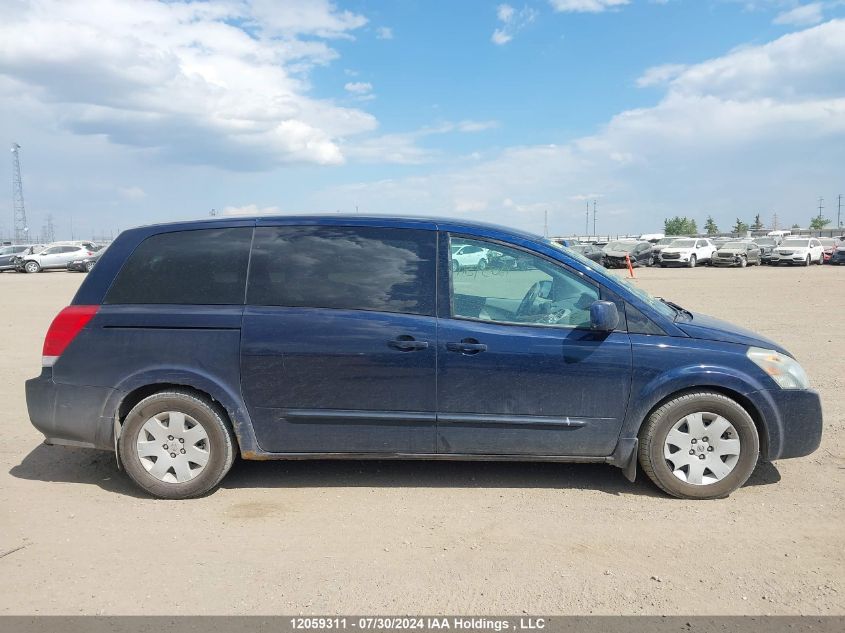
point(793, 420)
point(722, 261)
point(70, 414)
point(797, 258)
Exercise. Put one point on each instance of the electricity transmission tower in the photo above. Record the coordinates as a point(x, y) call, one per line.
point(19, 211)
point(48, 233)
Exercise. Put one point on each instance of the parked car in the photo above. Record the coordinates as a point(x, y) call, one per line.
point(798, 250)
point(838, 256)
point(469, 256)
point(8, 255)
point(718, 242)
point(658, 247)
point(829, 245)
point(740, 253)
point(54, 256)
point(615, 254)
point(339, 336)
point(590, 251)
point(85, 264)
point(767, 246)
point(687, 252)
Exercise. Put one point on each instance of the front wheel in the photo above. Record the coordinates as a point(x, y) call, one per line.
point(807, 261)
point(699, 445)
point(692, 261)
point(32, 267)
point(455, 266)
point(482, 264)
point(176, 445)
point(743, 262)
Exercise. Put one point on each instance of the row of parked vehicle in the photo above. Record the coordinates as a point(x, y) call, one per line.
point(693, 251)
point(33, 258)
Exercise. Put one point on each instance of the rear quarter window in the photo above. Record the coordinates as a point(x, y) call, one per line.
point(201, 267)
point(351, 268)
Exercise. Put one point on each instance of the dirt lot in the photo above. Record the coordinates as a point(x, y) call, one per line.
point(389, 537)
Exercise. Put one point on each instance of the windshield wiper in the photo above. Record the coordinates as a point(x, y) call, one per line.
point(676, 307)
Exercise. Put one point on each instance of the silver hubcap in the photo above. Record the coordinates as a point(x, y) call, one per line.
point(702, 448)
point(173, 447)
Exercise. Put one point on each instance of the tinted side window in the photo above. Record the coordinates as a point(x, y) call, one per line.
point(202, 267)
point(349, 268)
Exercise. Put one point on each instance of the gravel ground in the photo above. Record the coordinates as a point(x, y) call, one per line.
point(392, 537)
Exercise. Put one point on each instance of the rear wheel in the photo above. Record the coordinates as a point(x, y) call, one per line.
point(32, 267)
point(821, 259)
point(699, 445)
point(89, 266)
point(176, 445)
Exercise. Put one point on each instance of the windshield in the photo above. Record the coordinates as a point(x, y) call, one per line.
point(766, 241)
point(827, 241)
point(796, 243)
point(625, 247)
point(740, 245)
point(683, 244)
point(600, 270)
point(666, 240)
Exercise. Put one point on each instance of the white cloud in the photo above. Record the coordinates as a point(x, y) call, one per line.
point(358, 87)
point(586, 6)
point(132, 193)
point(404, 148)
point(216, 82)
point(760, 128)
point(384, 33)
point(512, 21)
point(252, 209)
point(657, 75)
point(802, 15)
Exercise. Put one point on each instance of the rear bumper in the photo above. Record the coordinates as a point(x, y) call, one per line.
point(793, 421)
point(70, 414)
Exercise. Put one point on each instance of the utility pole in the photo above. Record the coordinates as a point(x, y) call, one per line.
point(587, 221)
point(775, 222)
point(839, 213)
point(19, 211)
point(594, 217)
point(820, 207)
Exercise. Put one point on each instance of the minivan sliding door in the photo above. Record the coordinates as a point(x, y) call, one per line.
point(338, 349)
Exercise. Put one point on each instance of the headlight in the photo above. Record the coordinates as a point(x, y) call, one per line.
point(785, 371)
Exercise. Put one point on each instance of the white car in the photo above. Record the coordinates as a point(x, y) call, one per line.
point(798, 250)
point(687, 252)
point(469, 256)
point(55, 256)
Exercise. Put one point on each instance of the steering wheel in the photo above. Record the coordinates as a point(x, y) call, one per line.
point(529, 299)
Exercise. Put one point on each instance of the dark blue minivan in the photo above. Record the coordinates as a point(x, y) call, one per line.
point(378, 337)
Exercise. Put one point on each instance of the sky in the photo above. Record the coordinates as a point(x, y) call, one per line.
point(137, 111)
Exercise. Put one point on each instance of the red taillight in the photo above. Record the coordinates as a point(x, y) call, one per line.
point(64, 328)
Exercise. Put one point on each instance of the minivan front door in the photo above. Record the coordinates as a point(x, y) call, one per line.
point(338, 349)
point(520, 372)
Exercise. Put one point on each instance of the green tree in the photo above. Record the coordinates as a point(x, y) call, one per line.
point(740, 227)
point(758, 223)
point(710, 226)
point(679, 226)
point(819, 222)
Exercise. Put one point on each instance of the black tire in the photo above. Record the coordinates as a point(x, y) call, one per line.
point(455, 266)
point(213, 420)
point(482, 264)
point(807, 261)
point(32, 267)
point(663, 265)
point(743, 262)
point(656, 428)
point(692, 261)
point(89, 266)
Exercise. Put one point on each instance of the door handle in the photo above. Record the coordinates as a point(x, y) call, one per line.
point(407, 343)
point(467, 346)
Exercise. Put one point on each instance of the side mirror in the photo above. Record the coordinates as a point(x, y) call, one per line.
point(604, 317)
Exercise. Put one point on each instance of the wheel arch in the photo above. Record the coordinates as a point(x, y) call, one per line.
point(137, 387)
